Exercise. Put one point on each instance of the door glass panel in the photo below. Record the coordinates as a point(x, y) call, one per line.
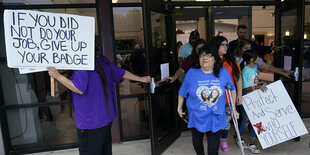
point(128, 26)
point(305, 105)
point(288, 53)
point(162, 104)
point(135, 118)
point(28, 128)
point(227, 19)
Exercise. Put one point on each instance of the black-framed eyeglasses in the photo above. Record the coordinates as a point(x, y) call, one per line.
point(202, 55)
point(225, 45)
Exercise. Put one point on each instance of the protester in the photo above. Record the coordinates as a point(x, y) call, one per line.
point(232, 66)
point(94, 103)
point(187, 48)
point(244, 45)
point(205, 118)
point(188, 62)
point(250, 83)
point(243, 34)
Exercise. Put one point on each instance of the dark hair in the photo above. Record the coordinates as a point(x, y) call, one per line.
point(247, 56)
point(194, 34)
point(194, 55)
point(242, 27)
point(99, 70)
point(210, 96)
point(217, 41)
point(218, 64)
point(241, 43)
point(202, 97)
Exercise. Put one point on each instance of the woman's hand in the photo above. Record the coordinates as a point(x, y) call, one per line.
point(286, 73)
point(53, 72)
point(146, 79)
point(237, 114)
point(171, 78)
point(180, 112)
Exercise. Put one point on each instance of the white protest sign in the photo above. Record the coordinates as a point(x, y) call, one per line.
point(31, 70)
point(273, 115)
point(39, 39)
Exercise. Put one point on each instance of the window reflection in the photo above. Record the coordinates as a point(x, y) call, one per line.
point(135, 117)
point(28, 130)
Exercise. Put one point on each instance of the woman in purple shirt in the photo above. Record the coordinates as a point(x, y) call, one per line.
point(94, 103)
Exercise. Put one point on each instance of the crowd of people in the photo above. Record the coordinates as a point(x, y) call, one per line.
point(214, 65)
point(206, 68)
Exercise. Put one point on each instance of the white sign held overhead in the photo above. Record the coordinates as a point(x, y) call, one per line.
point(41, 39)
point(273, 115)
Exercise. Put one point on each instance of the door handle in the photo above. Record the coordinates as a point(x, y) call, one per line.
point(296, 73)
point(152, 85)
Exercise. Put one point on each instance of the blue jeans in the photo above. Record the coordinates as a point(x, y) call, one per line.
point(225, 130)
point(244, 124)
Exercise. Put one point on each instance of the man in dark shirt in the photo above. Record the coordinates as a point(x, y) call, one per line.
point(242, 34)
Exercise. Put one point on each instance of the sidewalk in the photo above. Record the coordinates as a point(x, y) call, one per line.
point(183, 146)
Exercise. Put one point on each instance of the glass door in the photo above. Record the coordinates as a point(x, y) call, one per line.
point(226, 20)
point(289, 30)
point(159, 32)
point(305, 101)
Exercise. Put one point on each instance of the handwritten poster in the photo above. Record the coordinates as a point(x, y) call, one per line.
point(40, 39)
point(273, 115)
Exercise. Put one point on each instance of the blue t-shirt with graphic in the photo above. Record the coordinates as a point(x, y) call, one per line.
point(249, 77)
point(206, 99)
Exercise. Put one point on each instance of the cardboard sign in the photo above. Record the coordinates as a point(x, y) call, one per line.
point(273, 115)
point(39, 39)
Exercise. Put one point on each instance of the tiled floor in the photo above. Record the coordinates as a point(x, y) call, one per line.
point(183, 146)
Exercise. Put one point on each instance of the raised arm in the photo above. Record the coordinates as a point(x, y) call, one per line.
point(280, 71)
point(54, 73)
point(128, 75)
point(177, 74)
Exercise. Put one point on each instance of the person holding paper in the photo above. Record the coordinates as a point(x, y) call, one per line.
point(205, 118)
point(244, 45)
point(187, 48)
point(250, 83)
point(232, 66)
point(94, 103)
point(188, 62)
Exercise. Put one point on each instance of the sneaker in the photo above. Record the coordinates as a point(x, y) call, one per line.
point(253, 149)
point(224, 146)
point(242, 142)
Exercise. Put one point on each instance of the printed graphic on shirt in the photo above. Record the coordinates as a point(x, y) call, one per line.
point(209, 95)
point(254, 80)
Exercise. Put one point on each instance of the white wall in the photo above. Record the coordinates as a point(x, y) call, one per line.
point(263, 21)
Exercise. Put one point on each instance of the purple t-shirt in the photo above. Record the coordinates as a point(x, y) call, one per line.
point(90, 108)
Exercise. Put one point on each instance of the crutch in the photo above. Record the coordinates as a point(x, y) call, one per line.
point(235, 120)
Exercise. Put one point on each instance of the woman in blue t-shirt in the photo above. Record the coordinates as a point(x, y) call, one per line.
point(206, 117)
